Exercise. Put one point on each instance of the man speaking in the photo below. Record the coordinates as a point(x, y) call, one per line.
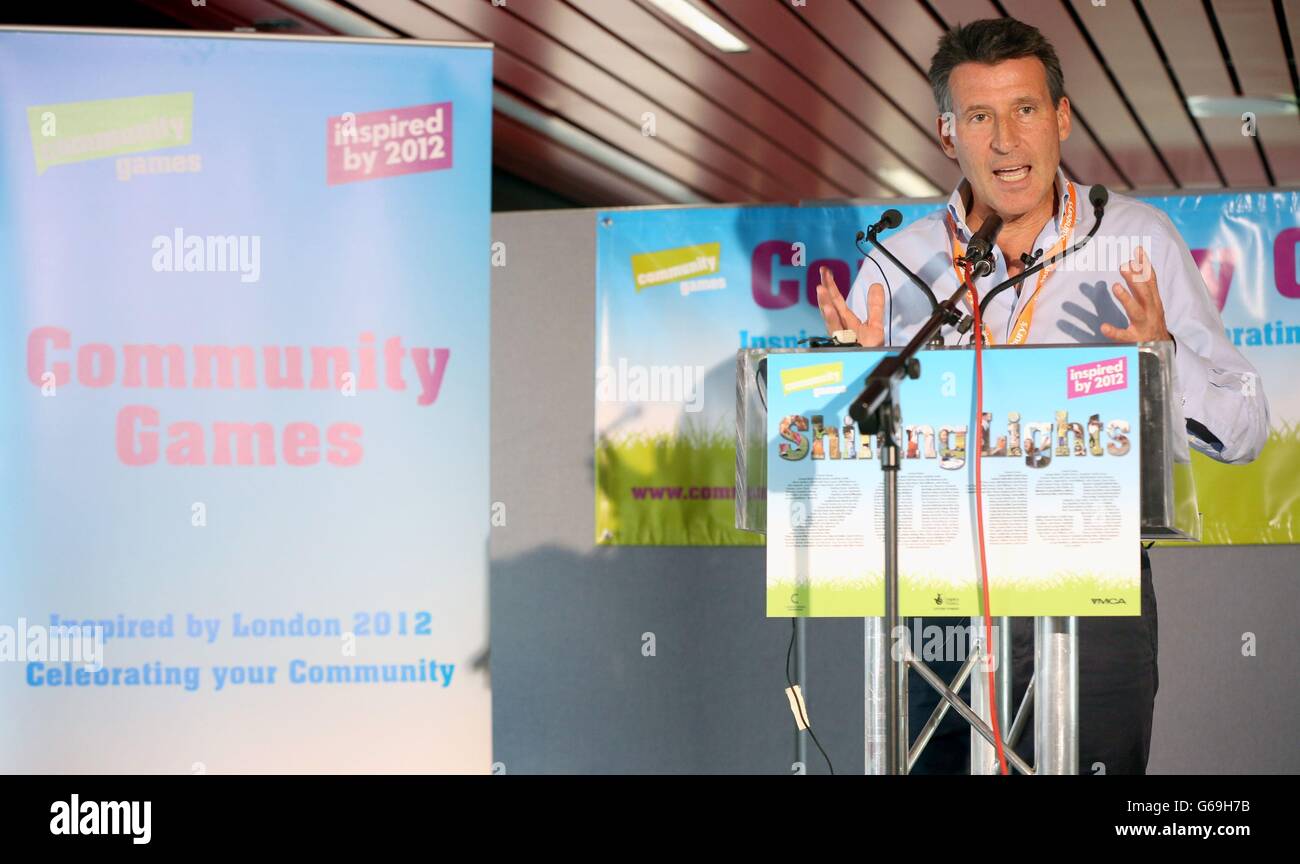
point(1003, 114)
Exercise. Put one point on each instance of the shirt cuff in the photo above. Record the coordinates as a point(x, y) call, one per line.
point(1192, 380)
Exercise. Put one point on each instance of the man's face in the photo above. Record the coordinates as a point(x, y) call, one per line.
point(1005, 133)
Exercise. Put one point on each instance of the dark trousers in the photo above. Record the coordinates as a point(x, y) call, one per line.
point(1118, 679)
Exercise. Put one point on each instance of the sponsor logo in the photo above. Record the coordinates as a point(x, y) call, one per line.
point(821, 378)
point(676, 265)
point(942, 602)
point(388, 143)
point(83, 131)
point(1089, 379)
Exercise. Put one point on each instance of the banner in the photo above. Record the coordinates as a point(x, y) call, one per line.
point(241, 525)
point(1059, 445)
point(679, 291)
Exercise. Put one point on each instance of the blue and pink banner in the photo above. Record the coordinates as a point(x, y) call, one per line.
point(679, 291)
point(241, 525)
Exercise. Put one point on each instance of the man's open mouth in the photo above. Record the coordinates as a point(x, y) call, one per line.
point(1012, 174)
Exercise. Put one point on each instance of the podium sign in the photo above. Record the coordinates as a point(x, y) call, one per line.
point(1061, 484)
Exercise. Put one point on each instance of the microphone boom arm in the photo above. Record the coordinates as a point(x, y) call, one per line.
point(1030, 271)
point(916, 280)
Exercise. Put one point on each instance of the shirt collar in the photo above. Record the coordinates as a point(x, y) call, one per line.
point(957, 204)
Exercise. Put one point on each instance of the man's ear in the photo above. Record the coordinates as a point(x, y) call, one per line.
point(1063, 118)
point(946, 125)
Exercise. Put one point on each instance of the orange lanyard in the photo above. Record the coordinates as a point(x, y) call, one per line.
point(1020, 332)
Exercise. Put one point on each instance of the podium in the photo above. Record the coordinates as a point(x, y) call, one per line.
point(1166, 501)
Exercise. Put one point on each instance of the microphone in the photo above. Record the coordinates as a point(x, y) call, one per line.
point(1098, 198)
point(979, 251)
point(889, 220)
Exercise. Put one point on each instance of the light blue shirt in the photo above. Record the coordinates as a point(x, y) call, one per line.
point(1219, 390)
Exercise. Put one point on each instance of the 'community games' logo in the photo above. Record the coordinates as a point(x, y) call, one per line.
point(82, 131)
point(684, 265)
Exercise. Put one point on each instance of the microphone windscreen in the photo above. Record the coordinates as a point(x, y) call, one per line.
point(1099, 196)
point(891, 218)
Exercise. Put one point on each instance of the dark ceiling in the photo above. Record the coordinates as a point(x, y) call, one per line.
point(613, 102)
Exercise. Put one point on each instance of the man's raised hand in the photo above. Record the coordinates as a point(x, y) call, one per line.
point(838, 316)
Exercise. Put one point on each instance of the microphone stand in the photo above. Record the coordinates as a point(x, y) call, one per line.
point(871, 236)
point(877, 411)
point(966, 322)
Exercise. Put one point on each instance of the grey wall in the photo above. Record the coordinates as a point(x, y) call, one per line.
point(572, 691)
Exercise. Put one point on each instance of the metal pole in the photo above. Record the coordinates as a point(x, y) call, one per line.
point(981, 751)
point(940, 711)
point(876, 655)
point(1002, 660)
point(964, 710)
point(1056, 702)
point(801, 673)
point(983, 755)
point(896, 669)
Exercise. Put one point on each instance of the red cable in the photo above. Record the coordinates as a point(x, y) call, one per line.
point(979, 513)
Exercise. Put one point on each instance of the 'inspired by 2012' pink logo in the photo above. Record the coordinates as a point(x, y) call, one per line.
point(1089, 379)
point(387, 143)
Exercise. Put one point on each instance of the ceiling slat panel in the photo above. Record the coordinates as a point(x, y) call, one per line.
point(918, 33)
point(857, 107)
point(909, 25)
point(957, 12)
point(1291, 9)
point(1083, 158)
point(825, 132)
point(229, 16)
point(1255, 44)
point(831, 99)
point(877, 60)
point(789, 178)
point(730, 92)
point(1080, 156)
point(1250, 29)
point(791, 124)
point(1189, 43)
point(582, 111)
point(531, 155)
point(591, 98)
point(1088, 86)
point(422, 22)
point(410, 16)
point(1133, 60)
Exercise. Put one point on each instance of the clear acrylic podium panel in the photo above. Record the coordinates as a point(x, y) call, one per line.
point(1168, 493)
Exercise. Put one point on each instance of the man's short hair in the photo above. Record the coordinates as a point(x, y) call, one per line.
point(992, 40)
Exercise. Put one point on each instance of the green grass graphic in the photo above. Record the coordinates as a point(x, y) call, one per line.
point(1240, 504)
point(1255, 503)
point(1067, 593)
point(695, 457)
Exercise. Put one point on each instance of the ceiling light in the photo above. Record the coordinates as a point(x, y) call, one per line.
point(692, 18)
point(909, 183)
point(1235, 106)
